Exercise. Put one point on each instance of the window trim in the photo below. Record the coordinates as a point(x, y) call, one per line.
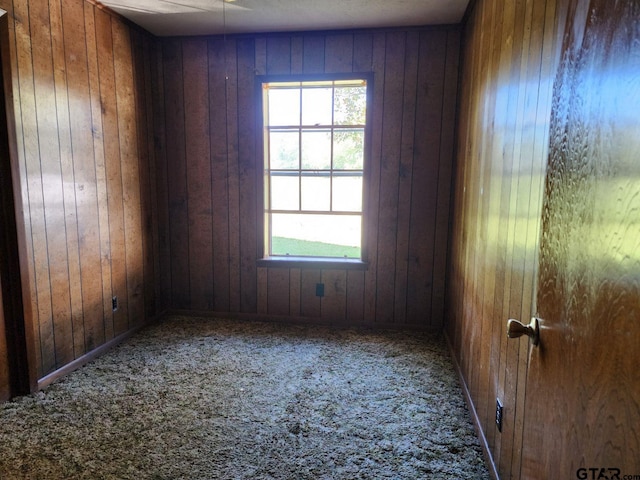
point(265, 260)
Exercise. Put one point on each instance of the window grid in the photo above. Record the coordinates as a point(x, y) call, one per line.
point(301, 172)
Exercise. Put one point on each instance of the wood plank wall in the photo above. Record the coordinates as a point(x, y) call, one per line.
point(5, 166)
point(5, 379)
point(209, 170)
point(16, 343)
point(83, 110)
point(510, 57)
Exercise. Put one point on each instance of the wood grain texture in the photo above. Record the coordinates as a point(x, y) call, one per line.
point(100, 173)
point(510, 53)
point(589, 290)
point(579, 392)
point(218, 136)
point(78, 133)
point(198, 163)
point(5, 166)
point(19, 350)
point(408, 110)
point(5, 379)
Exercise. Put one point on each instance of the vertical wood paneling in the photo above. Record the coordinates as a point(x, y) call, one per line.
point(5, 381)
point(492, 303)
point(309, 302)
point(508, 62)
point(113, 169)
point(588, 293)
point(176, 174)
point(333, 304)
point(338, 53)
point(162, 180)
point(294, 292)
point(425, 169)
point(10, 53)
point(248, 170)
point(313, 51)
point(355, 296)
point(278, 291)
point(142, 57)
point(405, 177)
point(278, 55)
point(391, 147)
point(232, 148)
point(51, 184)
point(297, 55)
point(362, 52)
point(408, 174)
point(445, 175)
point(78, 132)
point(84, 175)
point(106, 322)
point(6, 205)
point(219, 173)
point(130, 175)
point(198, 173)
point(263, 283)
point(372, 202)
point(68, 139)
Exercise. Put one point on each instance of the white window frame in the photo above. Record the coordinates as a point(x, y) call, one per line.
point(265, 208)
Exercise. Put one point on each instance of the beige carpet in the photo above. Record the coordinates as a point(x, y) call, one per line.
point(218, 399)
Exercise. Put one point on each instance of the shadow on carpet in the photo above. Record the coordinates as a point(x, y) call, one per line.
point(194, 398)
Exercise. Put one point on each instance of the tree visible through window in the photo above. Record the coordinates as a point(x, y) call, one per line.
point(314, 148)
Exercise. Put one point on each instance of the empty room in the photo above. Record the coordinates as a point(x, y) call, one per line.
point(277, 239)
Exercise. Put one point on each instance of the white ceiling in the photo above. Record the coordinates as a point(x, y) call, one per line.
point(204, 17)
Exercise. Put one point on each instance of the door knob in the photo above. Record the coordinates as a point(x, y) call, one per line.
point(516, 329)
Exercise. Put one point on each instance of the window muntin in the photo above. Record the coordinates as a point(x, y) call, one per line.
point(314, 149)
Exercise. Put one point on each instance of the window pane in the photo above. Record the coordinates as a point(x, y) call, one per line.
point(283, 150)
point(316, 106)
point(284, 106)
point(350, 105)
point(316, 149)
point(285, 192)
point(314, 136)
point(316, 193)
point(347, 194)
point(316, 235)
point(348, 149)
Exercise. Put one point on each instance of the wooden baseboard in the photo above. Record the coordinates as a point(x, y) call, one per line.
point(87, 357)
point(491, 465)
point(299, 320)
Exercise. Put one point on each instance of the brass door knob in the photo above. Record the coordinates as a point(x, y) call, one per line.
point(516, 329)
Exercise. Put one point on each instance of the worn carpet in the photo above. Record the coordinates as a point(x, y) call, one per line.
point(196, 399)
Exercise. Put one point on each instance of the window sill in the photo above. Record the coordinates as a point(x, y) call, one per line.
point(313, 262)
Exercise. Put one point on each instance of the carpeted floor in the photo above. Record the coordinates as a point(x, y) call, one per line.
point(219, 399)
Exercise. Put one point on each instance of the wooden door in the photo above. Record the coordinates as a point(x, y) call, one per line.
point(583, 387)
point(17, 368)
point(5, 382)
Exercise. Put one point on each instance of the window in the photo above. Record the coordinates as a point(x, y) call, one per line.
point(314, 167)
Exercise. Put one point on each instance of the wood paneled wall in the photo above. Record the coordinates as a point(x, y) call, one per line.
point(82, 101)
point(210, 167)
point(5, 166)
point(510, 57)
point(588, 290)
point(5, 379)
point(16, 342)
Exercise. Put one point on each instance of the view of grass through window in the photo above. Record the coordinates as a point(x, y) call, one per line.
point(314, 163)
point(306, 248)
